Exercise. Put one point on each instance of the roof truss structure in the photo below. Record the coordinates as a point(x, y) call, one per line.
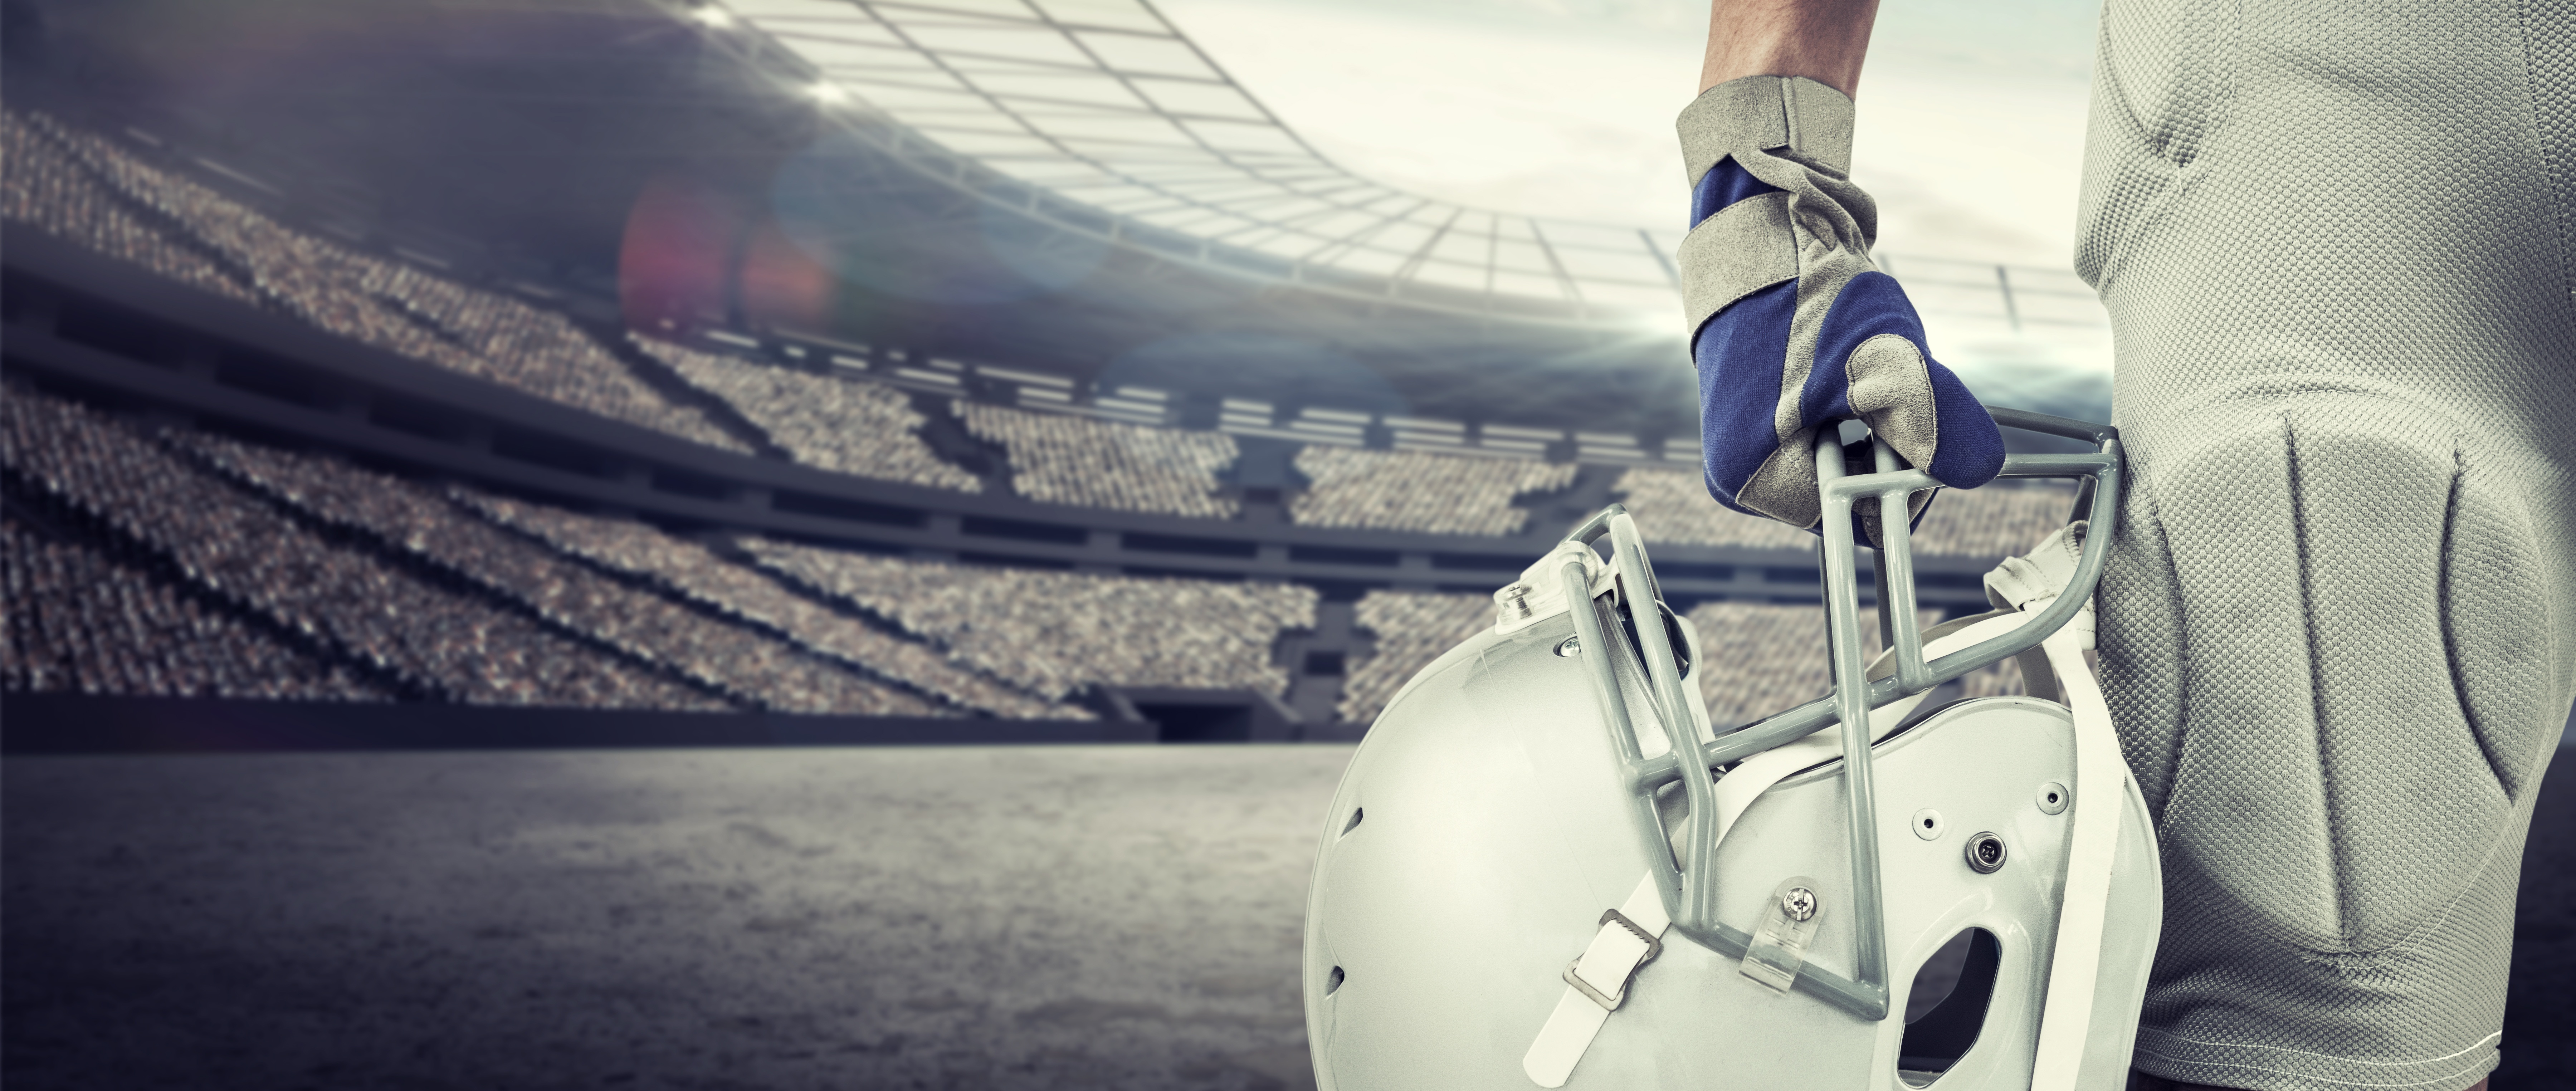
point(1106, 103)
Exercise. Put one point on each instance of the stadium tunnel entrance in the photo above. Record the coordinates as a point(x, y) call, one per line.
point(1204, 715)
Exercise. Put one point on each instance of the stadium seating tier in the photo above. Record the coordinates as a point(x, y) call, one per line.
point(752, 668)
point(1418, 491)
point(81, 621)
point(850, 426)
point(84, 187)
point(1672, 506)
point(1059, 459)
point(1057, 633)
point(697, 572)
point(1756, 658)
point(454, 593)
point(441, 640)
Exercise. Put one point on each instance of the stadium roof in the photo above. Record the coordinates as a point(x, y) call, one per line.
point(1105, 104)
point(1067, 186)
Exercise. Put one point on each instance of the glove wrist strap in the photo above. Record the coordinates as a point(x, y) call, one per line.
point(1811, 121)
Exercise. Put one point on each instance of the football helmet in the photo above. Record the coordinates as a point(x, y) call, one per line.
point(1543, 866)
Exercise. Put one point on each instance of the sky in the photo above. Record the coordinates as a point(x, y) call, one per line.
point(1971, 113)
point(1970, 135)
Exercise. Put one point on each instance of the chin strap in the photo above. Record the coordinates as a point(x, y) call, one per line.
point(2028, 584)
point(1597, 983)
point(1631, 936)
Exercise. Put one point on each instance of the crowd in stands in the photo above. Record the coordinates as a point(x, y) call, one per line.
point(752, 668)
point(849, 426)
point(1755, 658)
point(1764, 657)
point(81, 622)
point(1412, 629)
point(89, 190)
point(697, 572)
point(1056, 633)
point(2003, 518)
point(1062, 459)
point(458, 594)
point(1767, 658)
point(46, 187)
point(1419, 491)
point(1673, 505)
point(401, 588)
point(439, 640)
point(447, 592)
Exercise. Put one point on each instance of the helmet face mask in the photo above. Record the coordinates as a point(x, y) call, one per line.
point(1522, 882)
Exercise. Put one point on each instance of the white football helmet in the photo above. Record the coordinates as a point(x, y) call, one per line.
point(1544, 868)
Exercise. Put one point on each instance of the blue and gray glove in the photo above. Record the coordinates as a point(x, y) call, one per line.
point(1792, 327)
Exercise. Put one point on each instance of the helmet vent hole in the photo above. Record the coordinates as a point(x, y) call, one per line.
point(1347, 827)
point(1946, 1008)
point(1333, 981)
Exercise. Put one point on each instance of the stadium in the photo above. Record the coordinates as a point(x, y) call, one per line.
point(627, 378)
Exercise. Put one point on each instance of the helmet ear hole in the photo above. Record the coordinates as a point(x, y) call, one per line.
point(1946, 1009)
point(1348, 826)
point(1333, 981)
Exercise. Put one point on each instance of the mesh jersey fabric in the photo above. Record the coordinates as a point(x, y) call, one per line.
point(2338, 630)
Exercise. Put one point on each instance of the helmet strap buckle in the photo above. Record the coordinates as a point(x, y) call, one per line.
point(1654, 947)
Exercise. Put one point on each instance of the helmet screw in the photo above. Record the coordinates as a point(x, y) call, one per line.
point(1798, 902)
point(1986, 854)
point(1572, 646)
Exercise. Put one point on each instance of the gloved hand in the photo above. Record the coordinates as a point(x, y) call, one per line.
point(1792, 327)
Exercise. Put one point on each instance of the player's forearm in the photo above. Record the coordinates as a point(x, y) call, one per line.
point(1823, 40)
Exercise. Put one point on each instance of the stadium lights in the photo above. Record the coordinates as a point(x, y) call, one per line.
point(829, 94)
point(714, 16)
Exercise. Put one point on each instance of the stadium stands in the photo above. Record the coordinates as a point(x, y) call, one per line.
point(696, 572)
point(84, 187)
point(305, 575)
point(1762, 658)
point(47, 188)
point(1055, 633)
point(1758, 658)
point(1105, 464)
point(1412, 629)
point(81, 622)
point(1765, 658)
point(1417, 491)
point(752, 668)
point(441, 641)
point(1672, 505)
point(849, 426)
point(2000, 519)
point(465, 595)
